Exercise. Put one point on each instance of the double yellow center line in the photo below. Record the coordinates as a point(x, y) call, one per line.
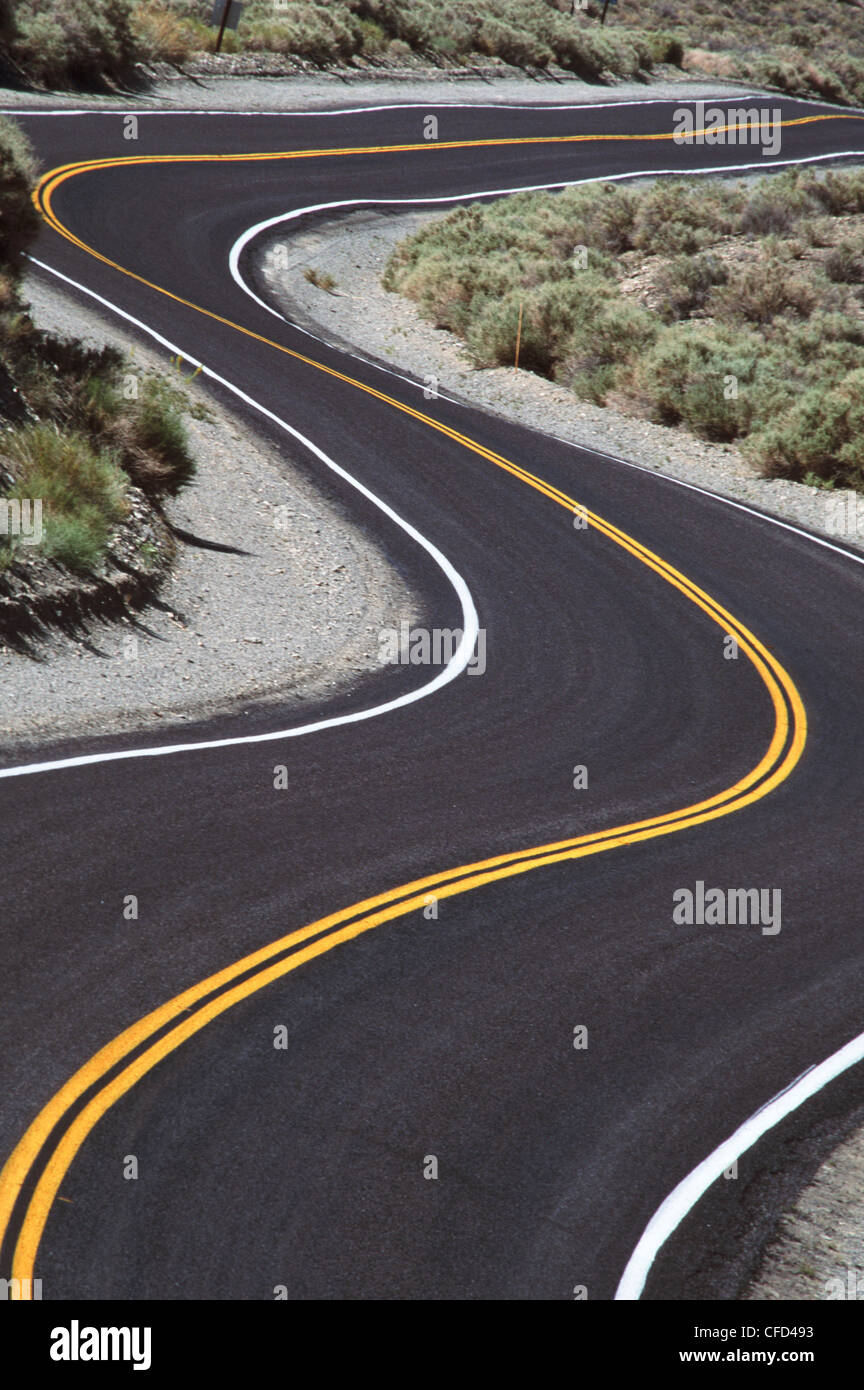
point(31, 1178)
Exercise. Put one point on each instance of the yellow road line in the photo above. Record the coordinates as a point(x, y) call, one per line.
point(348, 923)
point(504, 140)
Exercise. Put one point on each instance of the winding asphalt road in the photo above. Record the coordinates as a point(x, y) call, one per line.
point(302, 1166)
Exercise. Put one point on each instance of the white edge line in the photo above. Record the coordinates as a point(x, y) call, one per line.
point(683, 1198)
point(417, 106)
point(455, 666)
point(721, 497)
point(259, 227)
point(249, 235)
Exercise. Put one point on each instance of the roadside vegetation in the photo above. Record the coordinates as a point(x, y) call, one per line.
point(734, 309)
point(78, 425)
point(794, 46)
point(59, 42)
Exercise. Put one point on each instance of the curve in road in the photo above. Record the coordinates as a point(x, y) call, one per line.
point(57, 1134)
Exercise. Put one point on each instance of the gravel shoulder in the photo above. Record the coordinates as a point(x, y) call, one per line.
point(238, 86)
point(818, 1251)
point(290, 609)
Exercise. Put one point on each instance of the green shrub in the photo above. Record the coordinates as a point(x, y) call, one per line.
point(839, 194)
point(154, 441)
point(373, 39)
point(668, 220)
point(822, 434)
point(82, 490)
point(760, 291)
point(686, 282)
point(79, 542)
point(492, 332)
point(162, 33)
point(666, 49)
point(70, 383)
point(79, 41)
point(607, 333)
point(694, 374)
point(844, 263)
point(516, 46)
point(319, 33)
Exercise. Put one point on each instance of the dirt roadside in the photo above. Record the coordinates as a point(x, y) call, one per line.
point(288, 608)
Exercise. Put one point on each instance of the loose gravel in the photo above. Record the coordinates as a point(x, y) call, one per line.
point(253, 85)
point(818, 1253)
point(294, 613)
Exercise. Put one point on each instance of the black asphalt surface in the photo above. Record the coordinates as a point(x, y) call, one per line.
point(304, 1166)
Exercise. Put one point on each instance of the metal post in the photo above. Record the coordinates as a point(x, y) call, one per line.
point(226, 11)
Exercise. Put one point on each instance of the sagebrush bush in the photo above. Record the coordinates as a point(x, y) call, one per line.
point(162, 32)
point(685, 284)
point(516, 46)
point(838, 194)
point(320, 33)
point(735, 340)
point(760, 291)
point(822, 434)
point(79, 41)
point(668, 220)
point(844, 263)
point(688, 375)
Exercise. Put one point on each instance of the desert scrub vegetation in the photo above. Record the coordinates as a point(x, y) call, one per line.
point(87, 42)
point(795, 46)
point(734, 309)
point(87, 420)
point(78, 425)
point(82, 491)
point(522, 33)
point(321, 280)
point(76, 41)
